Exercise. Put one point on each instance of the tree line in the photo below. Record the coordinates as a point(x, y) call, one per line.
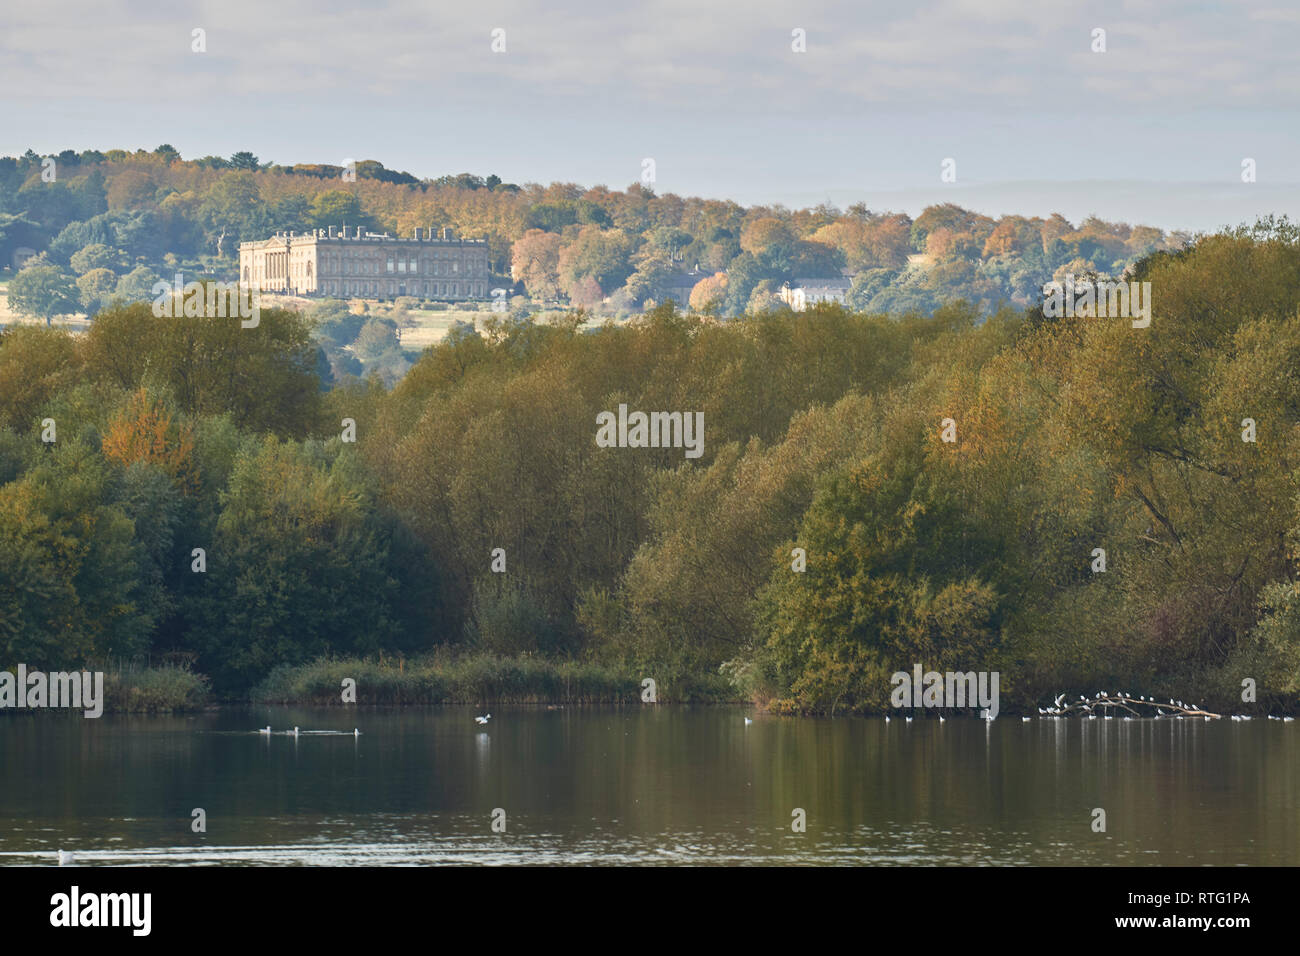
point(109, 224)
point(1172, 449)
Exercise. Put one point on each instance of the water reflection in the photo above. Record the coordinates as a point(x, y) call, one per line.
point(652, 785)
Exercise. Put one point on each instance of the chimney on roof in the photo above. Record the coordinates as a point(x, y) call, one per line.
point(416, 235)
point(331, 232)
point(358, 232)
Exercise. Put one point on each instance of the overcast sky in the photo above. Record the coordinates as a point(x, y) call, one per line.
point(1153, 130)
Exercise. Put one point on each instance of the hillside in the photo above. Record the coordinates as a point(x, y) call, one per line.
point(140, 215)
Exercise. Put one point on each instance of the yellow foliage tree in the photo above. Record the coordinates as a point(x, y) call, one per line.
point(144, 431)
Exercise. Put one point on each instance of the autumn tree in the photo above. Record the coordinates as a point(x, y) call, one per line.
point(535, 261)
point(145, 431)
point(709, 293)
point(604, 255)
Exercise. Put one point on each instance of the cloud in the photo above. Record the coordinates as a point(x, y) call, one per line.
point(718, 54)
point(710, 88)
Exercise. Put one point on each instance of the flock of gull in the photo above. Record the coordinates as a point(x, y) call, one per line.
point(1136, 706)
point(1083, 708)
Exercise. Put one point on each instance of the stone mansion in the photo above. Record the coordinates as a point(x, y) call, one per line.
point(328, 262)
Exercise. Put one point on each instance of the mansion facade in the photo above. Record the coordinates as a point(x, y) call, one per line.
point(806, 292)
point(328, 262)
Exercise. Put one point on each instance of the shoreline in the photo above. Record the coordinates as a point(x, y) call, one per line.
point(484, 680)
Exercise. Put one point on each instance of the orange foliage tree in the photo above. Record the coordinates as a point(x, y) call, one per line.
point(144, 431)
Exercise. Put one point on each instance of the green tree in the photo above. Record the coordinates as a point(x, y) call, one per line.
point(296, 569)
point(337, 207)
point(43, 291)
point(234, 208)
point(65, 545)
point(264, 377)
point(137, 285)
point(97, 287)
point(96, 255)
point(35, 364)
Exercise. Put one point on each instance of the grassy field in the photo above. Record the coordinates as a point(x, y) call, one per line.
point(77, 323)
point(431, 327)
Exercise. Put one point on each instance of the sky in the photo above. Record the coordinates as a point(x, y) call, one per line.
point(1153, 130)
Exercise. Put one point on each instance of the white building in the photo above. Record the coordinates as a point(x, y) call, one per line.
point(325, 262)
point(806, 292)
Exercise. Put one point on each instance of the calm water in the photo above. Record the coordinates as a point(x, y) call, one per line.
point(650, 785)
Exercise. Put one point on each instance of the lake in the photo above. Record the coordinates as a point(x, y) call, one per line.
point(655, 785)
